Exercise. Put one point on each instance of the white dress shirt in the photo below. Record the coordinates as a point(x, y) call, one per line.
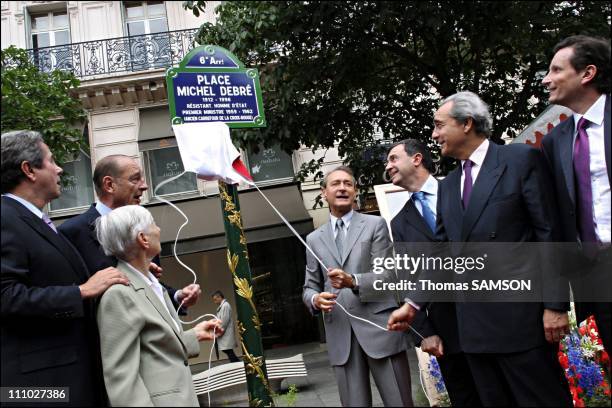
point(346, 219)
point(477, 157)
point(600, 184)
point(430, 188)
point(103, 209)
point(153, 283)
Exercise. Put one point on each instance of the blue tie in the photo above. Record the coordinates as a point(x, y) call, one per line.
point(428, 215)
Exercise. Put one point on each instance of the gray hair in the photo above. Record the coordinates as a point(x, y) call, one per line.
point(19, 146)
point(117, 231)
point(345, 169)
point(466, 105)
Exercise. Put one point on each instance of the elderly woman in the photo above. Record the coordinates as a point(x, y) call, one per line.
point(144, 349)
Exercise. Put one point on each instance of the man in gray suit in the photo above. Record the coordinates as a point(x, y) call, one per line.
point(227, 341)
point(347, 245)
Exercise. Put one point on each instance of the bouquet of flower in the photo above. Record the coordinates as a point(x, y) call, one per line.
point(586, 364)
point(434, 372)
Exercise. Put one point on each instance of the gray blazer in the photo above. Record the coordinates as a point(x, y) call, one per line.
point(144, 356)
point(228, 339)
point(367, 238)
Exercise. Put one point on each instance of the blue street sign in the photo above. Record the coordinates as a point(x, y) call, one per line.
point(212, 85)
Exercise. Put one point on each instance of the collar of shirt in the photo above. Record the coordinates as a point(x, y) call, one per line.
point(103, 209)
point(430, 188)
point(346, 218)
point(35, 210)
point(149, 279)
point(478, 155)
point(595, 114)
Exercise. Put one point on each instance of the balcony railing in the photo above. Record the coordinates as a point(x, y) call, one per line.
point(125, 54)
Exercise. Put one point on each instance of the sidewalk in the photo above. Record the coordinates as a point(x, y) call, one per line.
point(318, 389)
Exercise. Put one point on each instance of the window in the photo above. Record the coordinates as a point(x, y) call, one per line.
point(147, 28)
point(164, 164)
point(51, 41)
point(78, 191)
point(270, 164)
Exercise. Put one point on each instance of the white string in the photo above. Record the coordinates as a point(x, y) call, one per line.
point(297, 235)
point(321, 262)
point(195, 278)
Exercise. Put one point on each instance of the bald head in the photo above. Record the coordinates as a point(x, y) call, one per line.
point(119, 181)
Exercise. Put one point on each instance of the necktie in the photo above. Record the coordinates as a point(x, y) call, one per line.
point(467, 182)
point(428, 215)
point(582, 173)
point(339, 235)
point(48, 221)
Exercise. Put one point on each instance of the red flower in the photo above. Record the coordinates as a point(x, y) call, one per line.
point(604, 358)
point(582, 330)
point(563, 361)
point(579, 402)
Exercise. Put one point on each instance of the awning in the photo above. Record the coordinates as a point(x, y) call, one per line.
point(205, 230)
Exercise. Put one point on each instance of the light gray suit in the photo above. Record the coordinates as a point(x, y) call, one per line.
point(144, 355)
point(228, 339)
point(356, 347)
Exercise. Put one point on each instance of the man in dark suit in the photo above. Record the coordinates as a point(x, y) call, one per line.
point(118, 181)
point(577, 152)
point(499, 194)
point(49, 335)
point(409, 165)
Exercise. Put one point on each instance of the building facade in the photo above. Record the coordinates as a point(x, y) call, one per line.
point(120, 51)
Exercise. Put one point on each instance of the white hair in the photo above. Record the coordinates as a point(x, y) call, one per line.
point(117, 231)
point(466, 105)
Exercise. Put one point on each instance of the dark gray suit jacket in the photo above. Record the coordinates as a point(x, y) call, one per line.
point(439, 318)
point(511, 201)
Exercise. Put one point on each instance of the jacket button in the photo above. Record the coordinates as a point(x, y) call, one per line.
point(186, 363)
point(492, 235)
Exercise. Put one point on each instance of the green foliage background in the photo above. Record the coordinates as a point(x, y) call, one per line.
point(40, 101)
point(336, 71)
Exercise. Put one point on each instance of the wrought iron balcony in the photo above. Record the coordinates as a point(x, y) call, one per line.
point(125, 54)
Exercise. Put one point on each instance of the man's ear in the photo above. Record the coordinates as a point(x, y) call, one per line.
point(28, 170)
point(323, 194)
point(588, 75)
point(417, 159)
point(468, 125)
point(108, 184)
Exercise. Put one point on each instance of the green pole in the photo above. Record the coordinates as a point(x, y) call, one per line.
point(249, 325)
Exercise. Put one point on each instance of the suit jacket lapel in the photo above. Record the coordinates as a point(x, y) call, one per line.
point(414, 218)
point(355, 228)
point(138, 282)
point(487, 178)
point(55, 239)
point(566, 139)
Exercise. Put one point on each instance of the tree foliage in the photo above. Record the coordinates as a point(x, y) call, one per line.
point(41, 101)
point(336, 71)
